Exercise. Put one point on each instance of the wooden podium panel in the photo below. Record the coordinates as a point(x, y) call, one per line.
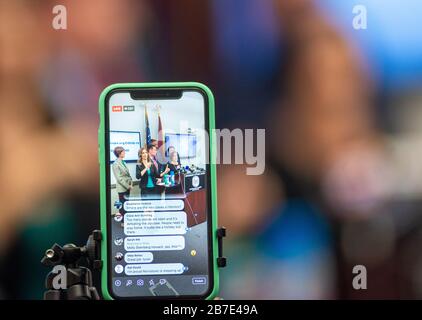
point(195, 207)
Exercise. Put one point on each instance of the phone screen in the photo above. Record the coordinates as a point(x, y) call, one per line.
point(159, 223)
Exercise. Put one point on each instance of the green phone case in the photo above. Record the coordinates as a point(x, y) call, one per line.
point(103, 191)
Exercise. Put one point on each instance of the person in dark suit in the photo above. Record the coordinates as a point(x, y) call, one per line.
point(147, 173)
point(152, 154)
point(161, 169)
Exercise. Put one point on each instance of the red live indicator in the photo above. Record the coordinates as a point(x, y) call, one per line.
point(117, 108)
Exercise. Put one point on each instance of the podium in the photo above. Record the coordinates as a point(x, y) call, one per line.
point(191, 187)
point(194, 187)
point(193, 181)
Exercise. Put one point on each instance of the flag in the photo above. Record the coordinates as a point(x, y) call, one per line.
point(161, 154)
point(147, 130)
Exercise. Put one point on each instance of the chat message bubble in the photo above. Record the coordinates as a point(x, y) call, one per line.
point(138, 257)
point(154, 269)
point(154, 205)
point(154, 223)
point(154, 243)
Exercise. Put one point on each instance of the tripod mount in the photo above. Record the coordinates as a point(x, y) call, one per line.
point(76, 282)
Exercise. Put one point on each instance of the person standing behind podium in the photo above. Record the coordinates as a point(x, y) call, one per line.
point(122, 176)
point(170, 150)
point(147, 173)
point(174, 164)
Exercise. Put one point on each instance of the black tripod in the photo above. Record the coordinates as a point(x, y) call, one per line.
point(78, 279)
point(76, 283)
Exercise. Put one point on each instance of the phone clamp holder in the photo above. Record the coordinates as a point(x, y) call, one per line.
point(78, 279)
point(221, 260)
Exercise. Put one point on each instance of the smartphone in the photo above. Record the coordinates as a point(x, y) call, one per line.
point(158, 191)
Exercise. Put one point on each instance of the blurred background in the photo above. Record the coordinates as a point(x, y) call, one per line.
point(342, 109)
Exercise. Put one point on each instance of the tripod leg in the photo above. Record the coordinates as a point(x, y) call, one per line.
point(94, 293)
point(52, 295)
point(79, 292)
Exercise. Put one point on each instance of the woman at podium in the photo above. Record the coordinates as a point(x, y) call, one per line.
point(174, 163)
point(147, 174)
